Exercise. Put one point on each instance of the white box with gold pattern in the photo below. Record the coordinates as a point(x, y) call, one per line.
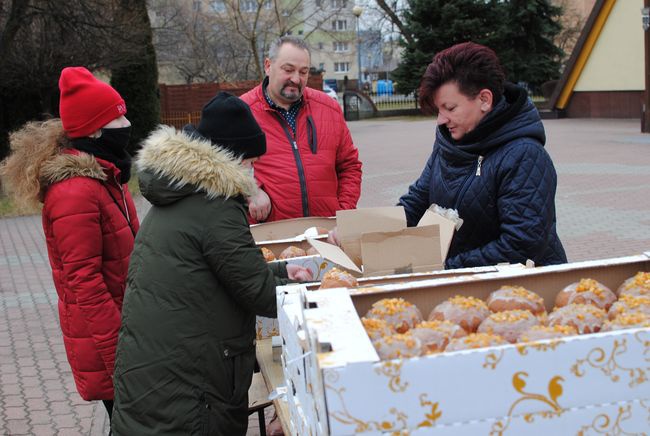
point(586, 384)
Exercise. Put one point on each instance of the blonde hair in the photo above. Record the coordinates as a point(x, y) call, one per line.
point(31, 146)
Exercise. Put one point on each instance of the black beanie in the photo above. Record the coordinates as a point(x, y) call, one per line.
point(228, 122)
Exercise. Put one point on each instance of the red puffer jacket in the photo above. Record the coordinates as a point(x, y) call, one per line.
point(89, 241)
point(315, 174)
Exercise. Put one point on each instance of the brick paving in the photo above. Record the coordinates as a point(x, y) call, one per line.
point(603, 202)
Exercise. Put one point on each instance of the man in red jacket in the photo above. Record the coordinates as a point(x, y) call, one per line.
point(311, 167)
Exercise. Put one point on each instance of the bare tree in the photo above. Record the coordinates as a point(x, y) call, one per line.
point(227, 40)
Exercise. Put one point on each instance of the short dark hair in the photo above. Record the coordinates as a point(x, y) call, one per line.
point(287, 39)
point(472, 66)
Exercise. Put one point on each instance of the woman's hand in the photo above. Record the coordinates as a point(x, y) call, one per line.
point(259, 206)
point(299, 273)
point(333, 237)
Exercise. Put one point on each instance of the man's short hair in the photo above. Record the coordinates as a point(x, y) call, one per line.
point(287, 39)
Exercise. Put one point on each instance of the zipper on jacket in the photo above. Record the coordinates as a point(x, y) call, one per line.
point(126, 208)
point(297, 157)
point(467, 182)
point(125, 212)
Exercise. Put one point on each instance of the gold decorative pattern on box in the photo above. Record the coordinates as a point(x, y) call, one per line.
point(493, 358)
point(545, 346)
point(603, 424)
point(606, 362)
point(393, 370)
point(398, 425)
point(519, 383)
point(643, 337)
point(430, 418)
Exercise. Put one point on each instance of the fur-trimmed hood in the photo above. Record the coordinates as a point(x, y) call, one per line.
point(67, 165)
point(172, 165)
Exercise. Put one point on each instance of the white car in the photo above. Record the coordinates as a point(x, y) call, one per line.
point(329, 91)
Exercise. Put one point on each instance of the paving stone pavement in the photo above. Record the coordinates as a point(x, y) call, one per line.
point(603, 202)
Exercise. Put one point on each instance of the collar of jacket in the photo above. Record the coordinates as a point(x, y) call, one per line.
point(514, 116)
point(188, 162)
point(71, 163)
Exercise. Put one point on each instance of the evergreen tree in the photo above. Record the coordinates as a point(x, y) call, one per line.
point(520, 32)
point(137, 81)
point(525, 45)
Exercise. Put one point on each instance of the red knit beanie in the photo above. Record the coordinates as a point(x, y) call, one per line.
point(87, 104)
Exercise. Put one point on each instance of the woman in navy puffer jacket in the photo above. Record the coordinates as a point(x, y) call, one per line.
point(488, 163)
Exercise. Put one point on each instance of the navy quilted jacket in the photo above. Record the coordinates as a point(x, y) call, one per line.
point(502, 183)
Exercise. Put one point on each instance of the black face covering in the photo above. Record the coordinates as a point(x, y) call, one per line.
point(110, 146)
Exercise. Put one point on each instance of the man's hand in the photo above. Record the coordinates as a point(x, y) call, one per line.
point(333, 237)
point(259, 206)
point(299, 273)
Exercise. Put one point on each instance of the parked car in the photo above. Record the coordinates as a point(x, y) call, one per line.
point(329, 91)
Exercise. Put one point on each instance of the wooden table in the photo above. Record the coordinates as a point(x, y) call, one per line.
point(273, 376)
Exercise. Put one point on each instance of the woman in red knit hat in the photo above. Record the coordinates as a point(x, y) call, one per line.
point(77, 167)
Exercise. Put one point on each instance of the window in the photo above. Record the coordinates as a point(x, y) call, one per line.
point(300, 32)
point(219, 6)
point(341, 67)
point(196, 5)
point(320, 45)
point(248, 5)
point(253, 5)
point(339, 25)
point(319, 3)
point(339, 4)
point(321, 66)
point(341, 47)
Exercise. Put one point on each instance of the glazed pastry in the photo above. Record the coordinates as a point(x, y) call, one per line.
point(585, 318)
point(630, 304)
point(398, 346)
point(539, 332)
point(475, 340)
point(322, 231)
point(636, 286)
point(268, 254)
point(509, 324)
point(467, 312)
point(435, 335)
point(335, 278)
point(627, 321)
point(400, 315)
point(376, 328)
point(292, 251)
point(515, 298)
point(586, 291)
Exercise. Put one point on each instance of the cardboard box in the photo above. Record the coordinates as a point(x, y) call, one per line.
point(588, 384)
point(376, 241)
point(287, 229)
point(268, 327)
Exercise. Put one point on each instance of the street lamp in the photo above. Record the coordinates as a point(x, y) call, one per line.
point(357, 11)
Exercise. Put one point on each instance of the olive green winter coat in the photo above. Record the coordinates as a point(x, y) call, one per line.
point(186, 349)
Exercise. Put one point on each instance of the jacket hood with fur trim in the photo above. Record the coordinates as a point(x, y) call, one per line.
point(172, 165)
point(67, 165)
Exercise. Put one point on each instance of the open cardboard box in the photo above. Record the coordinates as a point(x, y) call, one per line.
point(376, 241)
point(588, 384)
point(288, 229)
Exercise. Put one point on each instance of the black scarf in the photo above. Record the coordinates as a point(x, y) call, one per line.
point(111, 147)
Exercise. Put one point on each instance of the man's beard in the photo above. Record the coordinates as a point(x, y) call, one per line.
point(291, 96)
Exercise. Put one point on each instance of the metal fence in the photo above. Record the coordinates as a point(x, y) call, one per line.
point(179, 119)
point(394, 101)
